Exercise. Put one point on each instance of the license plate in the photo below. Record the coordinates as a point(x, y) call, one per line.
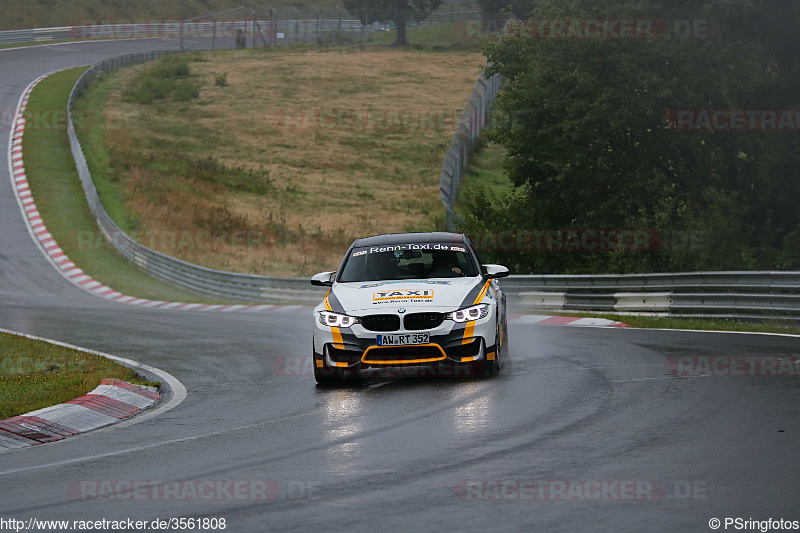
point(399, 340)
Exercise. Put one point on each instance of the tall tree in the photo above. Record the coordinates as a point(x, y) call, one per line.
point(585, 120)
point(401, 12)
point(495, 8)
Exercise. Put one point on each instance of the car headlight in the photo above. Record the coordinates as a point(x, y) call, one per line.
point(336, 320)
point(468, 314)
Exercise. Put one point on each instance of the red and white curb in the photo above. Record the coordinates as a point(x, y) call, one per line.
point(544, 320)
point(56, 255)
point(113, 400)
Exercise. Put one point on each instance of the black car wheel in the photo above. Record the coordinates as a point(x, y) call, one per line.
point(333, 376)
point(483, 367)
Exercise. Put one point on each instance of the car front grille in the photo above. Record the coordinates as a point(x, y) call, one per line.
point(381, 322)
point(403, 354)
point(419, 321)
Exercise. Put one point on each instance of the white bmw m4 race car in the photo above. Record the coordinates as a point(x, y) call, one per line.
point(410, 302)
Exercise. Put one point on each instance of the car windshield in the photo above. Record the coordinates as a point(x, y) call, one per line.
point(408, 261)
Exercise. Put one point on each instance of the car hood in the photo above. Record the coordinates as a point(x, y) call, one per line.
point(439, 295)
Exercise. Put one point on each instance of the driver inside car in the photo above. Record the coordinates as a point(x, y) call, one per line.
point(445, 265)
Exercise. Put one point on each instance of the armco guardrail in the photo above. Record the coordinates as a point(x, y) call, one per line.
point(712, 294)
point(312, 28)
point(292, 24)
point(35, 35)
point(708, 294)
point(473, 119)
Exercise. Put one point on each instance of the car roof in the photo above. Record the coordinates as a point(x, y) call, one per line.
point(417, 237)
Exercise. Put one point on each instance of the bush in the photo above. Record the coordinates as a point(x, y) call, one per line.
point(151, 89)
point(171, 66)
point(166, 78)
point(185, 90)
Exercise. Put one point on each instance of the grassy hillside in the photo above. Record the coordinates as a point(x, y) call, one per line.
point(297, 152)
point(54, 13)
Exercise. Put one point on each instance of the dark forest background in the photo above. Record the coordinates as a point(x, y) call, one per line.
point(591, 144)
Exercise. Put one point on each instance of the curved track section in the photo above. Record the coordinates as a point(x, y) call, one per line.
point(172, 390)
point(588, 429)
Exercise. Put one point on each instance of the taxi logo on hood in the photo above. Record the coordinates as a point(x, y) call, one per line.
point(394, 295)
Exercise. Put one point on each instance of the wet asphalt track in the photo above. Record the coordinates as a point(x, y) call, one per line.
point(577, 405)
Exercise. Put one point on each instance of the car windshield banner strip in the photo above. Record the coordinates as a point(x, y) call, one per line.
point(410, 247)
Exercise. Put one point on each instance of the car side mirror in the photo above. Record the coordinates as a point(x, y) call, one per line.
point(494, 271)
point(323, 279)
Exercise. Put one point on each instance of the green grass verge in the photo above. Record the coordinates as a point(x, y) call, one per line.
point(485, 169)
point(91, 127)
point(36, 374)
point(59, 197)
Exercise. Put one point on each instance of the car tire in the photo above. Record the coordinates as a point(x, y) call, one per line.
point(503, 346)
point(333, 376)
point(483, 367)
point(328, 377)
point(492, 368)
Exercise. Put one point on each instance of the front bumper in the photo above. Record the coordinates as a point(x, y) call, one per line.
point(451, 344)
